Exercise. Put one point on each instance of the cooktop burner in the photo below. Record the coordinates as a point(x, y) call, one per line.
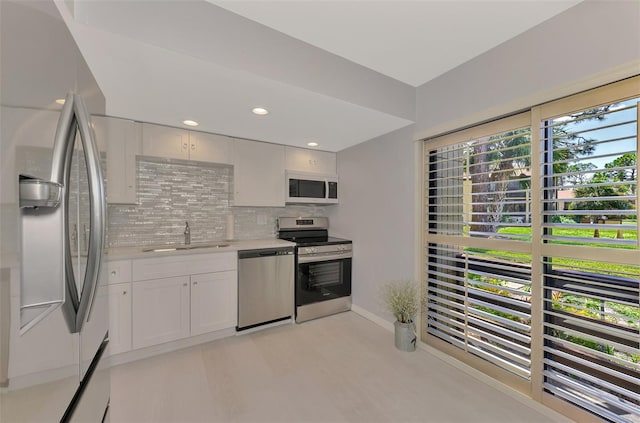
point(308, 231)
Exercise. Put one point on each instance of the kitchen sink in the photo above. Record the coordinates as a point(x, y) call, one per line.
point(182, 247)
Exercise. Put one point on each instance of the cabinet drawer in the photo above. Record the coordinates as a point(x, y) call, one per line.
point(169, 266)
point(118, 271)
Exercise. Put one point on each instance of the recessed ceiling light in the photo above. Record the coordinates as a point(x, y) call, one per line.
point(312, 144)
point(260, 111)
point(190, 122)
point(60, 101)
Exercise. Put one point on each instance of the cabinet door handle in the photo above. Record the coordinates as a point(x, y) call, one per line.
point(195, 283)
point(185, 146)
point(113, 273)
point(193, 147)
point(124, 292)
point(185, 284)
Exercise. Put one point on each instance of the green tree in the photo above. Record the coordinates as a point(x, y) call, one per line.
point(601, 191)
point(623, 169)
point(494, 163)
point(602, 187)
point(577, 173)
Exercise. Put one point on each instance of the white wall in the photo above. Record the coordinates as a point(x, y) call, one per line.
point(591, 44)
point(376, 212)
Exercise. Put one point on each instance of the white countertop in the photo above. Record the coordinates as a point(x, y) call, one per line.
point(252, 244)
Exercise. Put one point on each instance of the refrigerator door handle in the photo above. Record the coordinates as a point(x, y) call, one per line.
point(60, 172)
point(98, 212)
point(63, 146)
point(74, 118)
point(72, 301)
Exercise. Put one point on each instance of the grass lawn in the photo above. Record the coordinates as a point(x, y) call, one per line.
point(598, 267)
point(629, 232)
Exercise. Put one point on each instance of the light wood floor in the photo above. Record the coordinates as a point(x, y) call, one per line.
point(341, 368)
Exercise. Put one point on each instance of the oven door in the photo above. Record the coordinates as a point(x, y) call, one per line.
point(321, 279)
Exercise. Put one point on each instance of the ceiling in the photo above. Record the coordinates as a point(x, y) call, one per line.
point(411, 41)
point(334, 72)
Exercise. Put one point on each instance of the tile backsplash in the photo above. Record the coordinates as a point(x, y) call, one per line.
point(171, 193)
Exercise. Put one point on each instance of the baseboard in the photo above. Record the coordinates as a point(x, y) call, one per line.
point(373, 317)
point(39, 378)
point(134, 355)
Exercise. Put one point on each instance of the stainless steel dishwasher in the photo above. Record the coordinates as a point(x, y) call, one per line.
point(265, 286)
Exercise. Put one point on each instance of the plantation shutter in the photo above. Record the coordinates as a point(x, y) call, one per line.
point(590, 258)
point(478, 251)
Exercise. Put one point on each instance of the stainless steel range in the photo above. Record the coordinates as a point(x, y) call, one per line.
point(323, 267)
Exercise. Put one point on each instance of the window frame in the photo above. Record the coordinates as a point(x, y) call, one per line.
point(535, 117)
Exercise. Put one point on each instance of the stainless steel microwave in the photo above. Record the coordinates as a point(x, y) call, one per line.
point(302, 187)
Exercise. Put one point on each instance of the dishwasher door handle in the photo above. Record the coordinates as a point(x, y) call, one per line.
point(267, 252)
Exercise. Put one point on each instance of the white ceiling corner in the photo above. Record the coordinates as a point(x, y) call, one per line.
point(164, 62)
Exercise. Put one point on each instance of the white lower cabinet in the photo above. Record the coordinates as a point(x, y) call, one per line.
point(213, 302)
point(120, 318)
point(176, 297)
point(119, 292)
point(160, 311)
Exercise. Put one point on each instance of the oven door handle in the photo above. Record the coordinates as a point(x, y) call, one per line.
point(335, 255)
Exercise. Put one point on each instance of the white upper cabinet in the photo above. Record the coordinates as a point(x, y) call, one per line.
point(122, 140)
point(258, 174)
point(165, 141)
point(206, 147)
point(176, 143)
point(305, 160)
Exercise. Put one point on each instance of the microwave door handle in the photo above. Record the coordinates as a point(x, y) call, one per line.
point(98, 213)
point(326, 188)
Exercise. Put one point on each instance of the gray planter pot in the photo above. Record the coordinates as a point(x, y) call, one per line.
point(405, 336)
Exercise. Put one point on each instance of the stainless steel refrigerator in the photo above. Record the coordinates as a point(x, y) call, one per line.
point(53, 297)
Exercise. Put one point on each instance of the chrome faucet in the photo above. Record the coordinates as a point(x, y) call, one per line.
point(187, 234)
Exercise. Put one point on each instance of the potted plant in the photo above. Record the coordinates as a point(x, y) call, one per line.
point(402, 300)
